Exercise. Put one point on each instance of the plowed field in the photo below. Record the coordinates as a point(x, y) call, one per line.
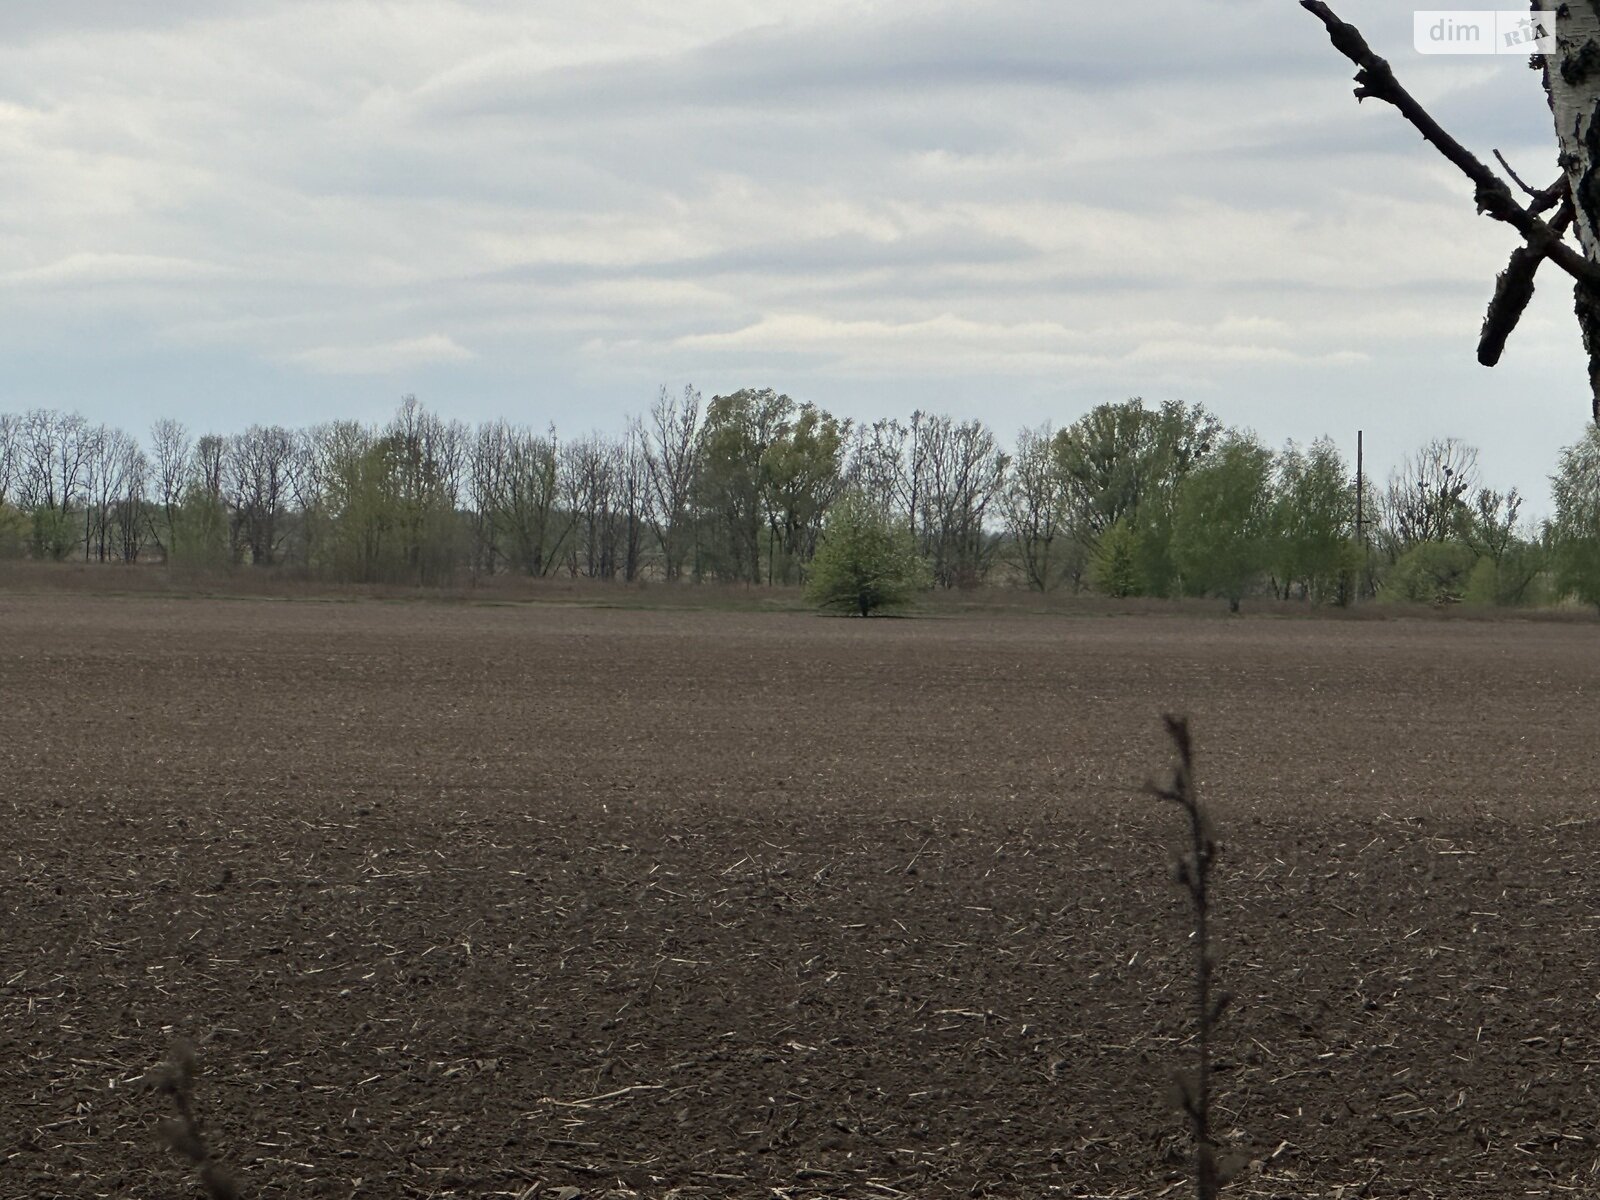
point(464, 900)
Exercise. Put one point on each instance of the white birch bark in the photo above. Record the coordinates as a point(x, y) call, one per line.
point(1572, 82)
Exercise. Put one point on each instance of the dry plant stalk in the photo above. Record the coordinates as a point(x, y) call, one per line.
point(1193, 873)
point(183, 1134)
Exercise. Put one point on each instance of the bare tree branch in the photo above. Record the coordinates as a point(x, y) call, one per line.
point(1513, 288)
point(1515, 178)
point(1551, 196)
point(1375, 78)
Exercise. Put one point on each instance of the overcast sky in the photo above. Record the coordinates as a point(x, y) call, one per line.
point(266, 211)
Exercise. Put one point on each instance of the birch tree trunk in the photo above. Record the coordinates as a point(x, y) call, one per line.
point(1572, 83)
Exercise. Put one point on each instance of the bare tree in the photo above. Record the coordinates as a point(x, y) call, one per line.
point(260, 464)
point(52, 451)
point(1494, 523)
point(33, 472)
point(588, 493)
point(305, 493)
point(672, 456)
point(115, 474)
point(129, 515)
point(631, 468)
point(912, 481)
point(207, 471)
point(1034, 505)
point(1567, 51)
point(171, 449)
point(1426, 500)
point(104, 474)
point(876, 467)
point(487, 467)
point(10, 443)
point(515, 484)
point(427, 459)
point(893, 463)
point(958, 471)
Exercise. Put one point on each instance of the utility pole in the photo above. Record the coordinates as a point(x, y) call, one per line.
point(1361, 497)
point(1360, 486)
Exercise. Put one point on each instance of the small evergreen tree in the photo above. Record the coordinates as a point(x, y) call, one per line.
point(865, 560)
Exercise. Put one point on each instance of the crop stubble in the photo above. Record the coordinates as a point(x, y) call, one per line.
point(474, 901)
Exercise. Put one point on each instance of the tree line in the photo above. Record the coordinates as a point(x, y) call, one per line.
point(1129, 499)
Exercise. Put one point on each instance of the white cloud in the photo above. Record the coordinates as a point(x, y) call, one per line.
point(86, 269)
point(386, 359)
point(866, 202)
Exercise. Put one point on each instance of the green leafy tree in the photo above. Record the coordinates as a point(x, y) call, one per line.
point(800, 477)
point(767, 471)
point(1114, 567)
point(865, 560)
point(1222, 523)
point(352, 523)
point(1124, 462)
point(1033, 502)
point(1315, 553)
point(730, 489)
point(1574, 531)
point(200, 533)
point(1510, 566)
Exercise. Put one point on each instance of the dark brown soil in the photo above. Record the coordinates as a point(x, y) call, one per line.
point(502, 901)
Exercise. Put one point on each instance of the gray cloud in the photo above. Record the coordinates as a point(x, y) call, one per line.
point(28, 20)
point(924, 49)
point(1015, 209)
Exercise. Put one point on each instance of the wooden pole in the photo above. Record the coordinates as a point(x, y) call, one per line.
point(1360, 488)
point(1361, 496)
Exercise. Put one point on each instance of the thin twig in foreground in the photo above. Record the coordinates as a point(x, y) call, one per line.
point(1194, 876)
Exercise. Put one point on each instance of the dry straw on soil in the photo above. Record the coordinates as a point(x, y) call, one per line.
point(469, 899)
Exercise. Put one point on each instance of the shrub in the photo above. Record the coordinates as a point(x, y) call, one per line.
point(1430, 573)
point(865, 560)
point(1518, 579)
point(14, 527)
point(53, 534)
point(1577, 563)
